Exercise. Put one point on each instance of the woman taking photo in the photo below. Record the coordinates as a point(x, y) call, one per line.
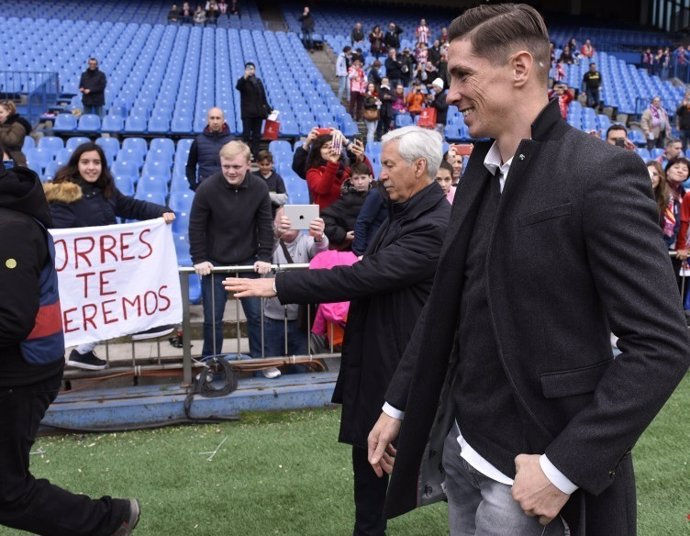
point(83, 194)
point(328, 166)
point(13, 129)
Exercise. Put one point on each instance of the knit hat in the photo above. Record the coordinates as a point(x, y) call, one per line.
point(438, 83)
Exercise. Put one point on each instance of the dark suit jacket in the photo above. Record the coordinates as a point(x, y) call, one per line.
point(575, 252)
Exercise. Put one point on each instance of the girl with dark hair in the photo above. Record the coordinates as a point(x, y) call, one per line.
point(660, 188)
point(328, 167)
point(83, 194)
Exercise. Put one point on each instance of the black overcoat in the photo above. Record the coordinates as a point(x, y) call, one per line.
point(575, 253)
point(388, 288)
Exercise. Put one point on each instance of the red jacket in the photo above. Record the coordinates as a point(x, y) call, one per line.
point(325, 183)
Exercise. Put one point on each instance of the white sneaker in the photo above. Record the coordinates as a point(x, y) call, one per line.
point(271, 373)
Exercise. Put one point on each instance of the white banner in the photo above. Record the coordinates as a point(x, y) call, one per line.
point(116, 280)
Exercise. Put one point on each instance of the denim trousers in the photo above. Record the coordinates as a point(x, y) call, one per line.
point(274, 338)
point(213, 298)
point(36, 505)
point(480, 506)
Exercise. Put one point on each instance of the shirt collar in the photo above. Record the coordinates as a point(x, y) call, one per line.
point(492, 161)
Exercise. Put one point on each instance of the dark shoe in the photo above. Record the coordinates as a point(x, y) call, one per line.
point(87, 361)
point(128, 524)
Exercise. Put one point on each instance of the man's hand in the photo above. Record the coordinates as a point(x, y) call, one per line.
point(534, 492)
point(168, 217)
point(261, 267)
point(249, 288)
point(203, 268)
point(381, 452)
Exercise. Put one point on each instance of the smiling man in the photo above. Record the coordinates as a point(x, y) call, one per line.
point(509, 391)
point(388, 288)
point(230, 224)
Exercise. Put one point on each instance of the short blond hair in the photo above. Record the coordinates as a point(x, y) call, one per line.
point(234, 148)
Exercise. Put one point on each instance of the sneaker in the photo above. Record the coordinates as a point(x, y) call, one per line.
point(128, 524)
point(271, 373)
point(87, 361)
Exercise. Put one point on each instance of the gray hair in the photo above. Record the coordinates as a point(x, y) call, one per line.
point(417, 142)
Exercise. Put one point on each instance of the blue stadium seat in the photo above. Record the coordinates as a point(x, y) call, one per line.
point(49, 172)
point(65, 123)
point(76, 141)
point(89, 123)
point(152, 184)
point(29, 143)
point(181, 200)
point(124, 183)
point(111, 146)
point(51, 143)
point(112, 123)
point(151, 197)
point(63, 156)
point(135, 124)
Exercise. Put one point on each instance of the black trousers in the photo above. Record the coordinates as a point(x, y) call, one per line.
point(251, 133)
point(370, 496)
point(34, 505)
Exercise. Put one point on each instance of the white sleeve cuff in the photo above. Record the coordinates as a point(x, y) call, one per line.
point(557, 478)
point(395, 413)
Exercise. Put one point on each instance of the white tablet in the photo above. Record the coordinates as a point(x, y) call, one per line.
point(301, 215)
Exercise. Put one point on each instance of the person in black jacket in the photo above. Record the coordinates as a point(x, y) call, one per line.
point(83, 194)
point(392, 36)
point(13, 129)
point(92, 87)
point(386, 110)
point(388, 288)
point(341, 216)
point(393, 67)
point(31, 367)
point(307, 26)
point(205, 148)
point(230, 224)
point(254, 106)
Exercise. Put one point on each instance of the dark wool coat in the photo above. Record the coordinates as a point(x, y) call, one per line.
point(575, 253)
point(253, 101)
point(388, 289)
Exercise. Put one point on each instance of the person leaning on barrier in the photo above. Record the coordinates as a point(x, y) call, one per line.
point(203, 153)
point(510, 391)
point(31, 367)
point(83, 194)
point(387, 289)
point(230, 223)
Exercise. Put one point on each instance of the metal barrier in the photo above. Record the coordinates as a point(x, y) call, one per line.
point(36, 90)
point(187, 360)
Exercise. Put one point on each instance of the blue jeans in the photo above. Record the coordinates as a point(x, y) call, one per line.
point(307, 40)
point(213, 298)
point(343, 87)
point(592, 97)
point(480, 506)
point(274, 338)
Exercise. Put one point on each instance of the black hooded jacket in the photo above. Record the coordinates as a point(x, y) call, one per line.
point(23, 254)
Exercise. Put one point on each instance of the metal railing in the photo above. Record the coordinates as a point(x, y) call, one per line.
point(37, 90)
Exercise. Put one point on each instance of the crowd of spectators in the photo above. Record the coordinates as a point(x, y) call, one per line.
point(204, 13)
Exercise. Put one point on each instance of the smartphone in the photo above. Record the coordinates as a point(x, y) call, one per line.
point(620, 142)
point(323, 131)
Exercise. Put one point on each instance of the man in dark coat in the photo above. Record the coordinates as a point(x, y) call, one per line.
point(205, 149)
point(509, 375)
point(388, 288)
point(253, 105)
point(31, 364)
point(92, 87)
